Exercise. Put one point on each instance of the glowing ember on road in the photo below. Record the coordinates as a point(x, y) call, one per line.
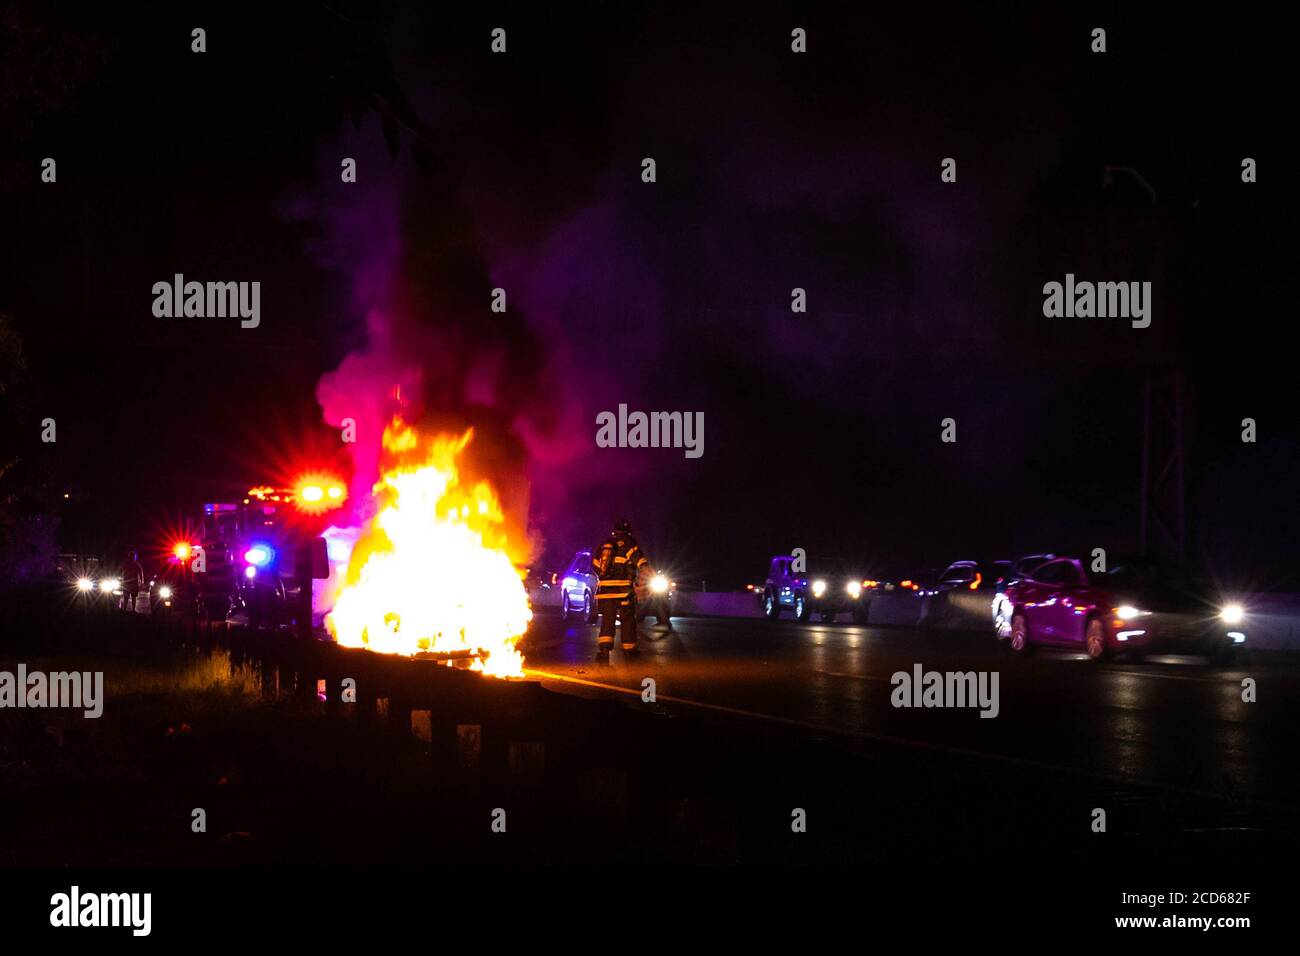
point(432, 571)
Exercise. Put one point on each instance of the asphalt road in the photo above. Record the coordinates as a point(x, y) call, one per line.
point(1175, 724)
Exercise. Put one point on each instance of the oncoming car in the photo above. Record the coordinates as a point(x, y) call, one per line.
point(578, 586)
point(1135, 608)
point(654, 597)
point(171, 594)
point(827, 590)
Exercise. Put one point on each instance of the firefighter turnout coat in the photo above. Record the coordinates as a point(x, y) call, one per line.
point(617, 562)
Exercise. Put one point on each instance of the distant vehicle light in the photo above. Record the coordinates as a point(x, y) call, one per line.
point(316, 493)
point(85, 584)
point(658, 584)
point(182, 551)
point(818, 588)
point(258, 555)
point(109, 585)
point(1127, 611)
point(854, 589)
point(1232, 614)
point(164, 592)
point(250, 572)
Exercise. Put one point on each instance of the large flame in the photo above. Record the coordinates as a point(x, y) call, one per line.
point(432, 571)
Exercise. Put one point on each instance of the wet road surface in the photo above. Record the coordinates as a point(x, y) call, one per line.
point(1173, 723)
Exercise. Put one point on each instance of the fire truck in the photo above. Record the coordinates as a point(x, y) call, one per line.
point(253, 561)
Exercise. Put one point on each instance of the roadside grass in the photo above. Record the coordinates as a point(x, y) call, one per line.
point(181, 730)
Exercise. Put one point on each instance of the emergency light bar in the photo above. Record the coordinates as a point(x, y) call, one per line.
point(259, 555)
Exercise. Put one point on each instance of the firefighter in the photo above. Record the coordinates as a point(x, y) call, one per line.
point(132, 579)
point(617, 563)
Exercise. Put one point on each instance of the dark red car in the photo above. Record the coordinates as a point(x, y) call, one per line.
point(1134, 608)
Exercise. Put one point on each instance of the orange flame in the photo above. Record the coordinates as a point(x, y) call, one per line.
point(432, 571)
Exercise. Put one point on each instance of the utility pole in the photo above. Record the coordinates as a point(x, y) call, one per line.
point(1163, 521)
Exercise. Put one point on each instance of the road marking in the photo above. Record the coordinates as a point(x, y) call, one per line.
point(849, 676)
point(1154, 676)
point(1222, 681)
point(1227, 681)
point(1118, 779)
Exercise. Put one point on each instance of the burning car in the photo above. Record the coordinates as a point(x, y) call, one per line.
point(1134, 608)
point(437, 571)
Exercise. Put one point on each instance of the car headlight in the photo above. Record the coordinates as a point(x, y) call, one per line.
point(109, 585)
point(1127, 612)
point(164, 592)
point(818, 588)
point(85, 584)
point(854, 589)
point(1232, 613)
point(658, 584)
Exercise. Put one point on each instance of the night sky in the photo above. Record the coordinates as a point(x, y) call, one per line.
point(775, 170)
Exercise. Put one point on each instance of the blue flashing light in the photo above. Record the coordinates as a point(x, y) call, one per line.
point(259, 555)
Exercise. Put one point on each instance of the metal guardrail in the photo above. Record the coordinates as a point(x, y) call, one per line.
point(477, 729)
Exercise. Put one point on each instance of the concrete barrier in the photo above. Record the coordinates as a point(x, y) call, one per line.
point(899, 609)
point(962, 610)
point(717, 604)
